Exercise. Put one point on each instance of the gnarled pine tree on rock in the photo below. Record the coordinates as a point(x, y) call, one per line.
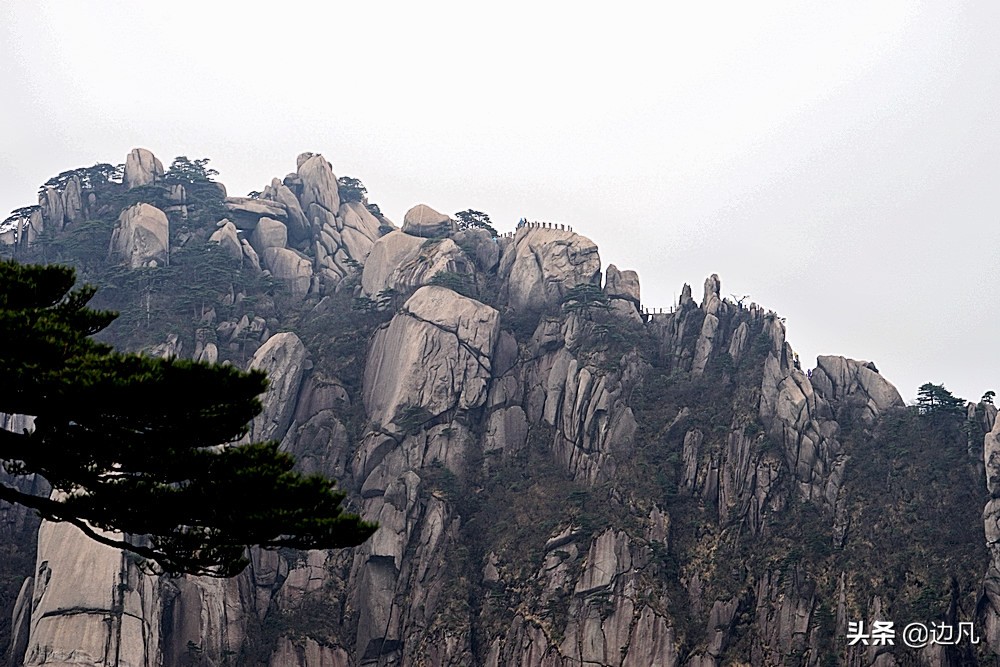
point(146, 448)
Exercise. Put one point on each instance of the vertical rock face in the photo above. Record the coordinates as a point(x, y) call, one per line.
point(425, 371)
point(990, 605)
point(142, 236)
point(141, 168)
point(319, 186)
point(434, 356)
point(283, 358)
point(290, 268)
point(90, 606)
point(543, 263)
point(400, 261)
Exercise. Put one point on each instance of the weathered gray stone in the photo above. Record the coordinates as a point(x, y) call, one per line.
point(705, 345)
point(228, 239)
point(249, 254)
point(319, 184)
point(298, 225)
point(142, 236)
point(141, 168)
point(434, 356)
point(425, 222)
point(269, 233)
point(72, 200)
point(480, 246)
point(304, 652)
point(622, 284)
point(283, 358)
point(712, 302)
point(77, 601)
point(855, 383)
point(360, 230)
point(247, 212)
point(289, 267)
point(543, 264)
point(401, 261)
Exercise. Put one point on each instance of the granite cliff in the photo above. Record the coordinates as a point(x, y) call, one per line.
point(560, 477)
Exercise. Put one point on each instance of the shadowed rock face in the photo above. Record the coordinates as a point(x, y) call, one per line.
point(553, 487)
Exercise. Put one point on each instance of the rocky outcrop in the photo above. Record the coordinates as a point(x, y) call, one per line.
point(855, 384)
point(90, 605)
point(308, 653)
point(246, 212)
point(543, 263)
point(283, 358)
point(319, 186)
point(141, 168)
point(298, 224)
point(553, 487)
point(290, 267)
point(622, 284)
point(480, 246)
point(434, 356)
point(268, 234)
point(142, 236)
point(228, 239)
point(990, 603)
point(425, 222)
point(400, 261)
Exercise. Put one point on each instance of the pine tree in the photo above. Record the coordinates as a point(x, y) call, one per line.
point(934, 399)
point(146, 448)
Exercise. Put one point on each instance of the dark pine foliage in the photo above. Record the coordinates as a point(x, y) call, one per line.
point(146, 448)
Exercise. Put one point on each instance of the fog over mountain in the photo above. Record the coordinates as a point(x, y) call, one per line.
point(835, 162)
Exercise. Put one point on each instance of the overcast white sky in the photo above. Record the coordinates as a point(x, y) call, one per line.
point(838, 162)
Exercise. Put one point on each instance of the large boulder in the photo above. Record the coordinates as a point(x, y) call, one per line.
point(544, 263)
point(434, 356)
point(423, 221)
point(289, 267)
point(142, 236)
point(319, 184)
point(283, 358)
point(401, 261)
point(359, 230)
point(141, 168)
point(622, 284)
point(246, 212)
point(228, 239)
point(298, 225)
point(857, 384)
point(268, 233)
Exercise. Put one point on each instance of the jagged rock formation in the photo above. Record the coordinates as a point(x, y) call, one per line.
point(554, 485)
